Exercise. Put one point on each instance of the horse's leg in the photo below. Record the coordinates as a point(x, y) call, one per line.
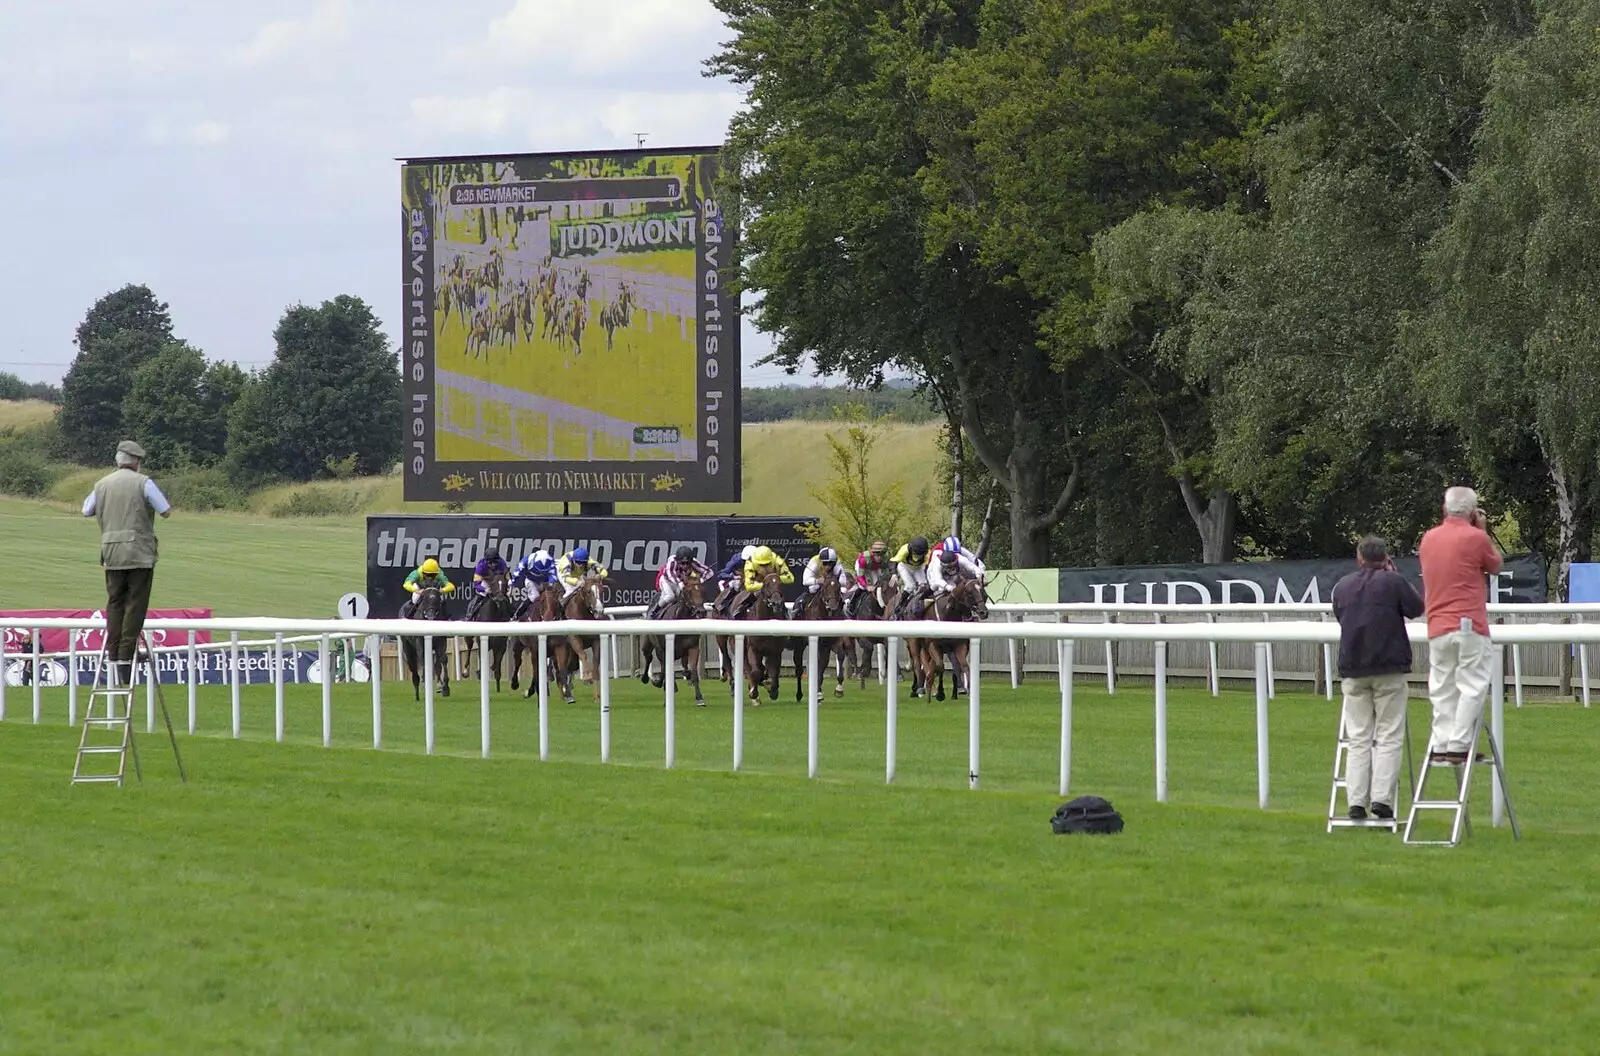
point(691, 671)
point(646, 648)
point(839, 647)
point(516, 662)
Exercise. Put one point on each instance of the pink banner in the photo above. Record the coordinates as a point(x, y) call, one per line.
point(18, 640)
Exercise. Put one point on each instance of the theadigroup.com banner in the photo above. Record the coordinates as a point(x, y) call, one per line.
point(632, 549)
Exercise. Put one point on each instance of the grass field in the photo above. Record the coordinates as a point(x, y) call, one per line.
point(20, 414)
point(296, 899)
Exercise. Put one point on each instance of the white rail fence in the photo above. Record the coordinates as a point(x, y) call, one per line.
point(1066, 637)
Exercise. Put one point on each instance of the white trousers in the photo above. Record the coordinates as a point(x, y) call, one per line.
point(1374, 724)
point(1458, 682)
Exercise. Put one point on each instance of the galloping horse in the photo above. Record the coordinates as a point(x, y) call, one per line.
point(963, 604)
point(690, 604)
point(429, 606)
point(496, 608)
point(568, 654)
point(826, 604)
point(869, 605)
point(763, 654)
point(891, 605)
point(546, 606)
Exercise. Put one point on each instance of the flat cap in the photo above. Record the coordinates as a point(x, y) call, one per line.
point(128, 447)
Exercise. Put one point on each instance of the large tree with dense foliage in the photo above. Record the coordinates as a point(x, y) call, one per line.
point(120, 332)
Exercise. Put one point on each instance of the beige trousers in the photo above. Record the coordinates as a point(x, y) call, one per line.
point(1374, 724)
point(1458, 682)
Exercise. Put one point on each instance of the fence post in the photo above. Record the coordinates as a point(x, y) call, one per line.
point(1272, 673)
point(1111, 663)
point(72, 679)
point(1263, 692)
point(973, 680)
point(375, 665)
point(1327, 666)
point(427, 693)
point(1516, 671)
point(483, 689)
point(327, 691)
point(672, 703)
point(811, 707)
point(233, 652)
point(1161, 722)
point(38, 680)
point(1214, 671)
point(1011, 650)
point(892, 717)
point(607, 651)
point(277, 687)
point(737, 660)
point(1064, 650)
point(544, 698)
point(3, 636)
point(194, 690)
point(149, 691)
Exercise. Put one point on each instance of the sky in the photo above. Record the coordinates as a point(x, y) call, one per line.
point(239, 158)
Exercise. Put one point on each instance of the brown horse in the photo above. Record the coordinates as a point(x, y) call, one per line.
point(763, 654)
point(429, 606)
point(963, 604)
point(891, 605)
point(569, 654)
point(826, 604)
point(546, 606)
point(690, 604)
point(495, 608)
point(869, 604)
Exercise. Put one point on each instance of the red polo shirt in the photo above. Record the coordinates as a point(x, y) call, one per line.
point(1456, 556)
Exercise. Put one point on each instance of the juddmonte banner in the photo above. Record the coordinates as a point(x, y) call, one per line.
point(212, 668)
point(633, 549)
point(1521, 579)
point(570, 330)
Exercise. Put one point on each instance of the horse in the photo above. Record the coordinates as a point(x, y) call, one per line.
point(893, 593)
point(763, 654)
point(570, 652)
point(964, 603)
point(688, 605)
point(546, 606)
point(869, 605)
point(429, 606)
point(496, 608)
point(826, 604)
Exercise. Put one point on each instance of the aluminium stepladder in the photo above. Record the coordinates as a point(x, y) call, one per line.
point(1456, 805)
point(1341, 754)
point(115, 718)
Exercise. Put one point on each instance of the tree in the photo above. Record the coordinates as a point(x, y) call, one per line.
point(178, 407)
point(860, 509)
point(1512, 336)
point(120, 331)
point(331, 392)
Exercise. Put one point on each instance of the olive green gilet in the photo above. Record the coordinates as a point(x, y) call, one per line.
point(127, 524)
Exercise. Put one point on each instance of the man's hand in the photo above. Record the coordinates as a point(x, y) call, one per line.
point(1480, 520)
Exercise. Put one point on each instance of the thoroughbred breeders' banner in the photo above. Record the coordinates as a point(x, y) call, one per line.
point(633, 549)
point(570, 327)
point(1522, 579)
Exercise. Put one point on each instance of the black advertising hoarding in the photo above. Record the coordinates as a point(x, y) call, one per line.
point(1520, 580)
point(632, 548)
point(570, 330)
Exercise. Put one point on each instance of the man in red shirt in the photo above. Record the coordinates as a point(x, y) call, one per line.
point(1457, 555)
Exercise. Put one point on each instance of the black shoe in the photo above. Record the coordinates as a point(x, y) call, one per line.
point(1358, 813)
point(1383, 811)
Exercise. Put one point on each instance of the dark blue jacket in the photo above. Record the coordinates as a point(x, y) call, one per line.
point(733, 569)
point(1372, 606)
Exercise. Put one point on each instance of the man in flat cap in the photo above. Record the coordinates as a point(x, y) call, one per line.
point(125, 503)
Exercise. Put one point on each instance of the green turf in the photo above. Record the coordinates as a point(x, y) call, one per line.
point(297, 899)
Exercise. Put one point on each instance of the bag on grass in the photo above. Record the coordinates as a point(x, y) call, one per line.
point(1089, 814)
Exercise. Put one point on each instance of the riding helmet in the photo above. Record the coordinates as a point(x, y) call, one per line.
point(947, 557)
point(952, 544)
point(919, 546)
point(828, 555)
point(747, 553)
point(542, 561)
point(764, 555)
point(684, 554)
point(580, 556)
point(878, 547)
point(430, 567)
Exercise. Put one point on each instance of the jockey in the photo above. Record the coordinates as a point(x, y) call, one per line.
point(573, 566)
point(728, 580)
point(535, 571)
point(669, 581)
point(822, 567)
point(951, 568)
point(872, 565)
point(911, 563)
point(953, 545)
point(490, 564)
point(762, 563)
point(427, 575)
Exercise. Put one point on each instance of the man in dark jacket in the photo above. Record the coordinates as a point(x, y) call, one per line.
point(1372, 605)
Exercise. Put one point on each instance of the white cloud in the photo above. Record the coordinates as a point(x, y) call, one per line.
point(592, 36)
point(328, 22)
point(168, 131)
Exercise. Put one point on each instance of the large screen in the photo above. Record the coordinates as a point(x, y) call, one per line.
point(572, 328)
